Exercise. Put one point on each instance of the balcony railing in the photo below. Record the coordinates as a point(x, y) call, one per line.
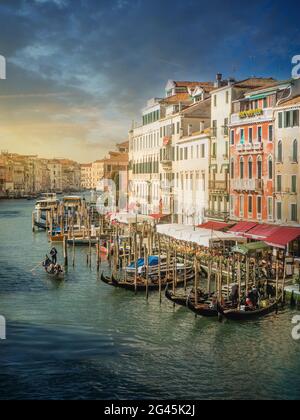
point(166, 164)
point(247, 185)
point(217, 215)
point(250, 147)
point(218, 185)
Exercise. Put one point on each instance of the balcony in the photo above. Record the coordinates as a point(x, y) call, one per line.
point(248, 185)
point(166, 164)
point(252, 116)
point(220, 186)
point(250, 148)
point(217, 215)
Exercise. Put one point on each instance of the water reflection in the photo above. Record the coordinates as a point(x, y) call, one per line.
point(83, 339)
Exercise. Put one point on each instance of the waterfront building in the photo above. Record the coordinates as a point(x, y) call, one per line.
point(191, 169)
point(186, 116)
point(144, 152)
point(252, 154)
point(109, 167)
point(86, 176)
point(71, 175)
point(6, 176)
point(223, 97)
point(23, 175)
point(287, 158)
point(55, 173)
point(123, 147)
point(154, 149)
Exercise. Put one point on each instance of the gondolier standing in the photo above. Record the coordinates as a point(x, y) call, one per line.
point(53, 254)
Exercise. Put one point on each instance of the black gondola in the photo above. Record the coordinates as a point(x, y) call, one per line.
point(55, 275)
point(182, 300)
point(40, 225)
point(245, 315)
point(178, 300)
point(202, 309)
point(153, 285)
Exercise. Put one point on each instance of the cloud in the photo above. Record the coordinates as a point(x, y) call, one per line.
point(94, 64)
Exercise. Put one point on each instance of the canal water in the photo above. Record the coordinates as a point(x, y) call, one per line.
point(82, 339)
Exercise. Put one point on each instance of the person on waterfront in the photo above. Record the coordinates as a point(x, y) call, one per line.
point(53, 254)
point(255, 296)
point(47, 262)
point(214, 302)
point(249, 300)
point(234, 297)
point(58, 269)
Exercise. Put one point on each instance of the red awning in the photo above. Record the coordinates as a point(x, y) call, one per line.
point(283, 237)
point(262, 232)
point(158, 216)
point(218, 226)
point(242, 227)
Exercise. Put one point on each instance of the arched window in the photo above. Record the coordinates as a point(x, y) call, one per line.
point(279, 152)
point(250, 168)
point(295, 151)
point(242, 168)
point(270, 168)
point(259, 168)
point(232, 168)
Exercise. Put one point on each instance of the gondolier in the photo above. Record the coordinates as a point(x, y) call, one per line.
point(53, 254)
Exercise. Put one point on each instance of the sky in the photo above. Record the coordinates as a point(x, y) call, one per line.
point(79, 71)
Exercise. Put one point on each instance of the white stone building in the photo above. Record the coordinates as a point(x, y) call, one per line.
point(155, 157)
point(144, 152)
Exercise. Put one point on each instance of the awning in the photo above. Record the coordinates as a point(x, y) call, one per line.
point(261, 96)
point(158, 216)
point(283, 237)
point(262, 231)
point(250, 248)
point(242, 227)
point(218, 226)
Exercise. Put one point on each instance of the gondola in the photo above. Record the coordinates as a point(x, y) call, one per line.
point(141, 286)
point(182, 300)
point(178, 300)
point(202, 309)
point(82, 241)
point(245, 315)
point(40, 225)
point(55, 276)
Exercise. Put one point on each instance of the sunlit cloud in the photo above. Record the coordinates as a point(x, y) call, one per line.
point(79, 72)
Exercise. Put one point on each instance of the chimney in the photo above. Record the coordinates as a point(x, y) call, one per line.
point(202, 126)
point(219, 78)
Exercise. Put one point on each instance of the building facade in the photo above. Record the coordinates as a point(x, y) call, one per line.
point(252, 154)
point(287, 158)
point(144, 155)
point(157, 152)
point(225, 94)
point(86, 176)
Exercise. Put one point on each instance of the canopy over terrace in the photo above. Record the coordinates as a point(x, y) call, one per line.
point(202, 237)
point(251, 248)
point(217, 226)
point(129, 218)
point(283, 237)
point(242, 227)
point(262, 232)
